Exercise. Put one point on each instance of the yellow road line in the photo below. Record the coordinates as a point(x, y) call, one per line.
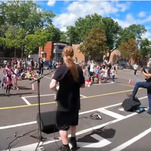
point(23, 106)
point(47, 103)
point(118, 92)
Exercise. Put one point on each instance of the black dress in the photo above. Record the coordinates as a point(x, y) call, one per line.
point(68, 96)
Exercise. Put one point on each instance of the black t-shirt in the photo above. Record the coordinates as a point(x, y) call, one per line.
point(41, 64)
point(148, 79)
point(68, 95)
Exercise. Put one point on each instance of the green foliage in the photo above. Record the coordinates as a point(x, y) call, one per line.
point(24, 20)
point(54, 32)
point(10, 37)
point(72, 34)
point(94, 45)
point(112, 30)
point(145, 48)
point(82, 28)
point(64, 37)
point(33, 41)
point(24, 26)
point(129, 50)
point(131, 32)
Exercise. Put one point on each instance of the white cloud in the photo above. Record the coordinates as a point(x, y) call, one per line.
point(51, 2)
point(123, 6)
point(142, 14)
point(147, 35)
point(83, 8)
point(127, 22)
point(63, 20)
point(130, 20)
point(146, 20)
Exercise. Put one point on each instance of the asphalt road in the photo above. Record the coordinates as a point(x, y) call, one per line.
point(116, 130)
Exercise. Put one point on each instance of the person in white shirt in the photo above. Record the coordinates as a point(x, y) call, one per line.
point(135, 66)
point(92, 70)
point(113, 72)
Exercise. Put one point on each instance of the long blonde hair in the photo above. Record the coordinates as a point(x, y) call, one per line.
point(68, 53)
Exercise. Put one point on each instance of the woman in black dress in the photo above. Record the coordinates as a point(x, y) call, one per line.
point(70, 78)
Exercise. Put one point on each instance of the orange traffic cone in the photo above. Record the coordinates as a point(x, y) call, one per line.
point(33, 87)
point(130, 81)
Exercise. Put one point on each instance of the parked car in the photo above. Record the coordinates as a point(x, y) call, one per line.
point(123, 65)
point(46, 65)
point(119, 67)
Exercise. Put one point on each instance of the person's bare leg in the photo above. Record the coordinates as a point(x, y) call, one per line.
point(73, 131)
point(64, 137)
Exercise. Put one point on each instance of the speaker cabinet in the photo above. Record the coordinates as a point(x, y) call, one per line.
point(47, 121)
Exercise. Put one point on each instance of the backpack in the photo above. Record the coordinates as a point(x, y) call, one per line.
point(131, 104)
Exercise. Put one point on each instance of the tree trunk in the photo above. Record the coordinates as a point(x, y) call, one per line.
point(22, 52)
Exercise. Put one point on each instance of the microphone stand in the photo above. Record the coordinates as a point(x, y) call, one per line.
point(40, 138)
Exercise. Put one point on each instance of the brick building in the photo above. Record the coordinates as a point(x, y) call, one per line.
point(53, 50)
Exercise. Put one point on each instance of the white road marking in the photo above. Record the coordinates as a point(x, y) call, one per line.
point(95, 127)
point(33, 96)
point(25, 100)
point(34, 122)
point(133, 140)
point(121, 109)
point(94, 110)
point(23, 148)
point(103, 83)
point(17, 125)
point(83, 96)
point(48, 77)
point(110, 113)
point(81, 113)
point(32, 146)
point(101, 142)
point(143, 98)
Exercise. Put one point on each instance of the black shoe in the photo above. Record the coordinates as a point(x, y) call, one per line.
point(73, 143)
point(131, 97)
point(64, 148)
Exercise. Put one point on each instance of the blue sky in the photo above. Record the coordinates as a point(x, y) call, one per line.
point(124, 12)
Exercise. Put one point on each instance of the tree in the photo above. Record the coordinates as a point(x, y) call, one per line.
point(20, 19)
point(94, 45)
point(36, 40)
point(26, 15)
point(129, 50)
point(72, 34)
point(145, 48)
point(112, 30)
point(10, 37)
point(14, 38)
point(55, 33)
point(132, 32)
point(82, 27)
point(64, 37)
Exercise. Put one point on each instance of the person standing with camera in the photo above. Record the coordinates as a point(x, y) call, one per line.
point(144, 84)
point(70, 78)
